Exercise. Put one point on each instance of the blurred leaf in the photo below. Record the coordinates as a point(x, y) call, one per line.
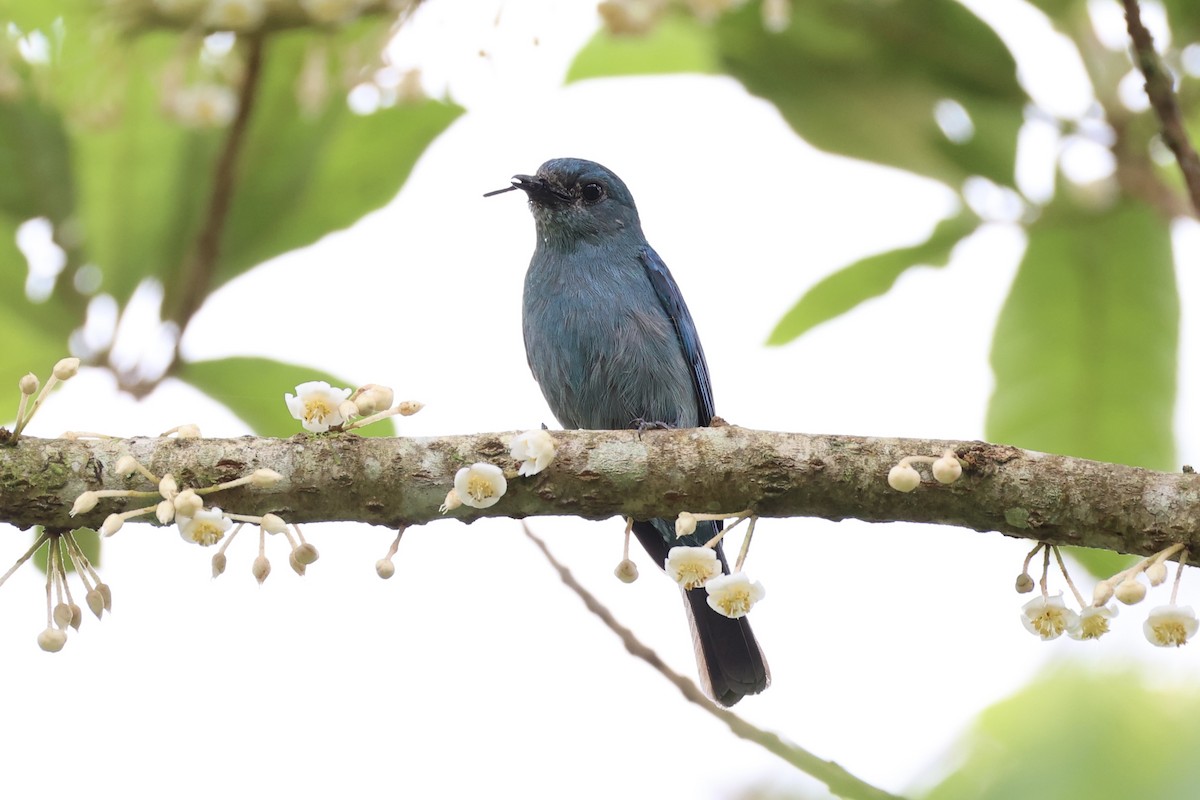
point(30, 15)
point(34, 161)
point(874, 275)
point(1086, 345)
point(34, 335)
point(1077, 734)
point(302, 178)
point(88, 541)
point(862, 78)
point(677, 44)
point(143, 177)
point(253, 389)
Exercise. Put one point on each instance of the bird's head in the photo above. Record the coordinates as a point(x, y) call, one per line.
point(573, 199)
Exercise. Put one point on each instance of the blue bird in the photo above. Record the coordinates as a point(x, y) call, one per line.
point(612, 345)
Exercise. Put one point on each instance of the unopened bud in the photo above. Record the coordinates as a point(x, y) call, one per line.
point(1156, 573)
point(165, 511)
point(384, 568)
point(187, 503)
point(410, 407)
point(76, 616)
point(261, 569)
point(947, 469)
point(903, 478)
point(84, 503)
point(685, 525)
point(373, 398)
point(66, 368)
point(167, 487)
point(112, 524)
point(52, 640)
point(626, 571)
point(272, 523)
point(263, 478)
point(105, 595)
point(62, 615)
point(189, 431)
point(348, 409)
point(218, 564)
point(451, 502)
point(1130, 591)
point(1102, 593)
point(29, 384)
point(126, 465)
point(306, 554)
point(96, 603)
point(1024, 583)
point(295, 564)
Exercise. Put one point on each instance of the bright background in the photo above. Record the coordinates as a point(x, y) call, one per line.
point(472, 671)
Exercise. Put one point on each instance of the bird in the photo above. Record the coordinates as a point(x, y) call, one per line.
point(612, 346)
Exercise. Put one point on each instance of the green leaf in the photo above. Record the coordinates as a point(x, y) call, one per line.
point(303, 177)
point(874, 275)
point(88, 541)
point(1076, 734)
point(1086, 344)
point(863, 78)
point(143, 178)
point(253, 389)
point(677, 44)
point(34, 160)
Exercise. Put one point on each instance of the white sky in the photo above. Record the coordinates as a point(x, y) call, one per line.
point(472, 672)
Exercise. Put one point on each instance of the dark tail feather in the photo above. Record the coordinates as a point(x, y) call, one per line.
point(730, 661)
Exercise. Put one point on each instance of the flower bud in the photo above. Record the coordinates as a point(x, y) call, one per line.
point(451, 502)
point(51, 640)
point(1130, 591)
point(96, 603)
point(66, 368)
point(218, 564)
point(1024, 583)
point(626, 571)
point(260, 569)
point(410, 407)
point(306, 554)
point(296, 566)
point(62, 615)
point(189, 431)
point(1156, 573)
point(84, 503)
point(384, 568)
point(112, 524)
point(167, 487)
point(263, 478)
point(126, 465)
point(903, 478)
point(373, 398)
point(1102, 593)
point(29, 384)
point(76, 616)
point(348, 409)
point(105, 595)
point(947, 469)
point(272, 523)
point(187, 503)
point(165, 511)
point(685, 524)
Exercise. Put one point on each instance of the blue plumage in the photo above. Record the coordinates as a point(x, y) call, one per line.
point(612, 345)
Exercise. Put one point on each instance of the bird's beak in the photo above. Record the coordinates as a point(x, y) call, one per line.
point(540, 190)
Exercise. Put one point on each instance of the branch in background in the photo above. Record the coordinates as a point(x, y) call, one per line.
point(197, 272)
point(1162, 98)
point(600, 474)
point(839, 781)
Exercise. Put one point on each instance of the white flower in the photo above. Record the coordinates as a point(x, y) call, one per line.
point(903, 478)
point(733, 595)
point(205, 105)
point(372, 398)
point(325, 11)
point(1093, 622)
point(692, 567)
point(206, 528)
point(1048, 617)
point(235, 15)
point(316, 404)
point(534, 449)
point(480, 485)
point(1171, 626)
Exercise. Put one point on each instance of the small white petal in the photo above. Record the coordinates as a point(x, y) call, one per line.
point(480, 485)
point(535, 449)
point(733, 595)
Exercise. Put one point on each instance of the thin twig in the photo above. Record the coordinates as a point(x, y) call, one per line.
point(1162, 99)
point(839, 781)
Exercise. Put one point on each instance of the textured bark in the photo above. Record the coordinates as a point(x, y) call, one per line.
point(598, 474)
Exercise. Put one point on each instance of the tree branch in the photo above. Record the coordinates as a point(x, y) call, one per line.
point(599, 474)
point(1162, 98)
point(833, 775)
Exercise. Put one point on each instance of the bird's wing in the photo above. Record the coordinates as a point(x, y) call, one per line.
point(689, 341)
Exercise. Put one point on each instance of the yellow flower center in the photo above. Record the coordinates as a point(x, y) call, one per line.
point(206, 533)
point(1171, 633)
point(1093, 627)
point(693, 576)
point(317, 410)
point(479, 488)
point(736, 602)
point(1050, 623)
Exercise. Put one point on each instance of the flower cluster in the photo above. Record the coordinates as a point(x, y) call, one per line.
point(64, 370)
point(693, 567)
point(1048, 616)
point(321, 408)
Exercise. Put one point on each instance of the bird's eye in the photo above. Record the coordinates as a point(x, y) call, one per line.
point(592, 192)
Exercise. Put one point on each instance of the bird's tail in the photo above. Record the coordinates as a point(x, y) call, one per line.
point(730, 661)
